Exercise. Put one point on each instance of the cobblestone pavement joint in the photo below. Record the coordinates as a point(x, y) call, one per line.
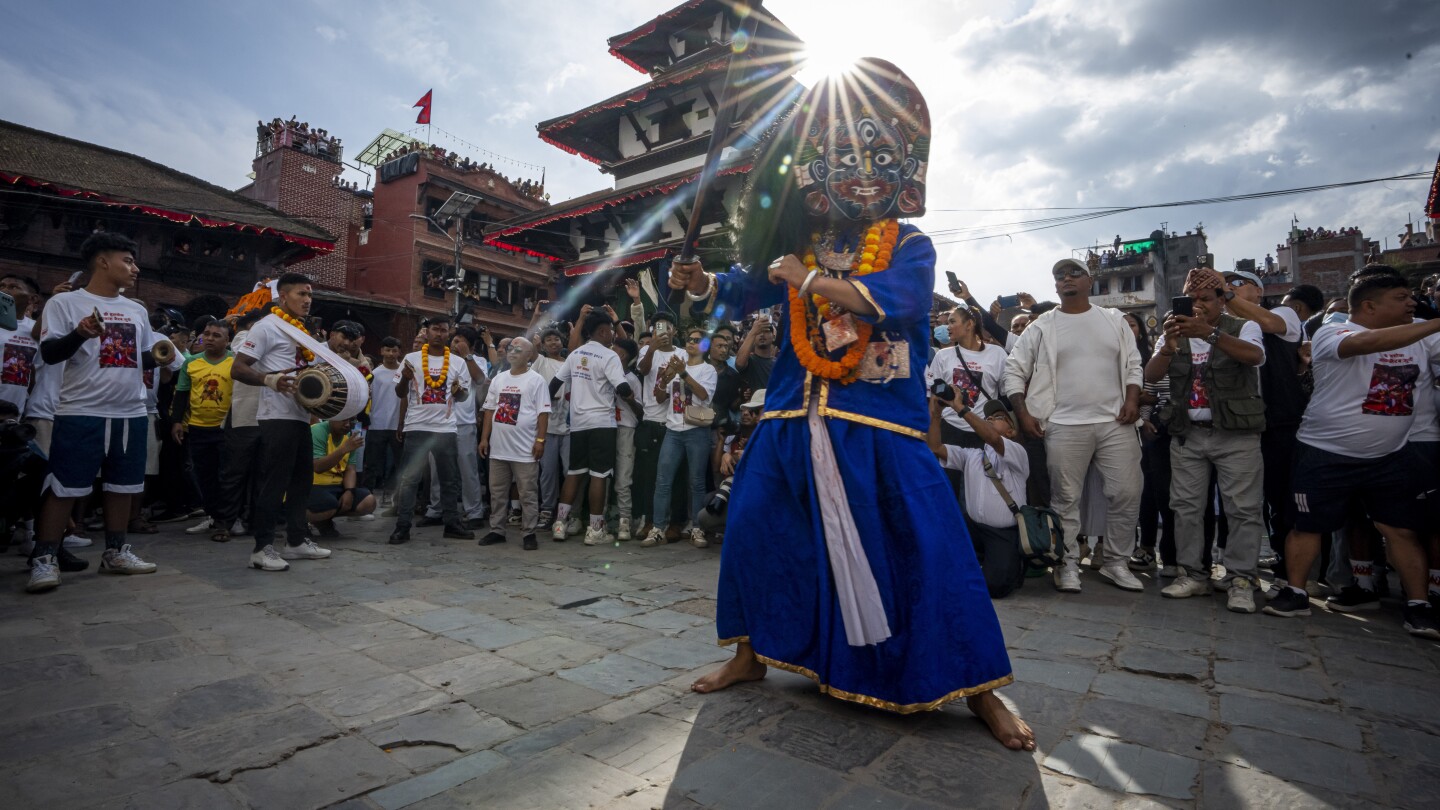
point(439, 674)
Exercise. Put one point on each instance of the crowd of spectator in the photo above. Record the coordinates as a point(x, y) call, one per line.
point(1273, 454)
point(529, 188)
point(297, 134)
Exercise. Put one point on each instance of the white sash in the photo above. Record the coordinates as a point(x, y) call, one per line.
point(855, 588)
point(357, 390)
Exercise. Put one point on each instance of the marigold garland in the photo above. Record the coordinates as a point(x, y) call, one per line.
point(295, 322)
point(874, 257)
point(431, 380)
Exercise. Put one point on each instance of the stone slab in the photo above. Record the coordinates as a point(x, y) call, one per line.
point(539, 701)
point(319, 777)
point(1126, 767)
point(615, 675)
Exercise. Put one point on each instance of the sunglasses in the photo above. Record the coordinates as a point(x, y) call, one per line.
point(1239, 282)
point(693, 339)
point(1072, 272)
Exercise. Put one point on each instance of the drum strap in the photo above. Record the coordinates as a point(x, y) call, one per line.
point(357, 389)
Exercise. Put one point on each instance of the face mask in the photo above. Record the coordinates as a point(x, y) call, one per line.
point(942, 333)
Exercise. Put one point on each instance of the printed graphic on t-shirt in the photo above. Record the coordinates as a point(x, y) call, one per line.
point(965, 382)
point(148, 375)
point(1199, 394)
point(117, 346)
point(434, 396)
point(1392, 390)
point(210, 391)
point(19, 365)
point(680, 396)
point(507, 409)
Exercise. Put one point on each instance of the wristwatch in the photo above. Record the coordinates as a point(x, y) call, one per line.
point(1213, 337)
point(962, 410)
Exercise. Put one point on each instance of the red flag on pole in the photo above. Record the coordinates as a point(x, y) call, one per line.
point(424, 105)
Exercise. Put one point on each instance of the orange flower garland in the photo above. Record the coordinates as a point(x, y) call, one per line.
point(434, 381)
point(295, 322)
point(874, 257)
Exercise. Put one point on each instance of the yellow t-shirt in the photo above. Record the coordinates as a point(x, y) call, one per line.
point(323, 444)
point(210, 387)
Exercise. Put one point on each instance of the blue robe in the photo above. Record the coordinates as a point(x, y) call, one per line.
point(776, 589)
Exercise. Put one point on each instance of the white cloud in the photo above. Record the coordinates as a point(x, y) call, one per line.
point(331, 34)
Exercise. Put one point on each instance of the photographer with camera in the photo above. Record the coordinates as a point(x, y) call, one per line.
point(711, 519)
point(993, 527)
point(756, 356)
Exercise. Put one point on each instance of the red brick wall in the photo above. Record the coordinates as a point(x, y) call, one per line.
point(302, 186)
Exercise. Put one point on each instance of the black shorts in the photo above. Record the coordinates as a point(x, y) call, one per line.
point(592, 452)
point(327, 499)
point(1392, 488)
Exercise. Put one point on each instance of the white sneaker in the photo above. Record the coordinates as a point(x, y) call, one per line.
point(574, 526)
point(370, 516)
point(76, 541)
point(596, 537)
point(1217, 572)
point(557, 531)
point(1186, 586)
point(1119, 575)
point(1067, 578)
point(305, 551)
point(624, 532)
point(654, 538)
point(1242, 596)
point(514, 519)
point(124, 561)
point(202, 527)
point(237, 528)
point(697, 537)
point(268, 559)
point(44, 574)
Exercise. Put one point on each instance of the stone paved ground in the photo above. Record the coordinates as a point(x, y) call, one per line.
point(443, 675)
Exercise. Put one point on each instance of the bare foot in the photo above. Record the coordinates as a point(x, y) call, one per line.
point(743, 667)
point(1010, 730)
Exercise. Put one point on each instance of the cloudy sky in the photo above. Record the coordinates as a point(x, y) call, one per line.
point(1055, 103)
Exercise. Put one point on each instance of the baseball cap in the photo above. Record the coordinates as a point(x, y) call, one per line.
point(757, 400)
point(1250, 277)
point(1066, 265)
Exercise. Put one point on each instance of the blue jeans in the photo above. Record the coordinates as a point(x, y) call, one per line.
point(694, 446)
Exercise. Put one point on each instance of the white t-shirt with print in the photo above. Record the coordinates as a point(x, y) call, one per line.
point(465, 413)
point(681, 394)
point(1364, 406)
point(19, 355)
point(1200, 357)
point(1427, 404)
point(104, 376)
point(515, 403)
point(430, 409)
point(593, 372)
point(273, 350)
point(986, 365)
point(384, 402)
point(655, 409)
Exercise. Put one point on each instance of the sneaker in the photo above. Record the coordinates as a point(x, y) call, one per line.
point(491, 539)
point(1241, 598)
point(305, 551)
point(1419, 620)
point(1217, 573)
point(220, 536)
point(547, 516)
point(528, 542)
point(514, 519)
point(1353, 598)
point(427, 520)
point(1097, 556)
point(1119, 575)
point(654, 538)
point(557, 531)
point(268, 559)
point(399, 537)
point(1142, 560)
point(238, 528)
point(458, 531)
point(326, 528)
point(44, 575)
point(1268, 559)
point(624, 531)
point(1169, 571)
point(1067, 578)
point(124, 561)
point(202, 527)
point(574, 526)
point(76, 541)
point(370, 516)
point(596, 537)
point(1186, 586)
point(68, 562)
point(697, 537)
point(1287, 603)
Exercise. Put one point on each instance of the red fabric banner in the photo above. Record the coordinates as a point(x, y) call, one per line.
point(1432, 205)
point(424, 105)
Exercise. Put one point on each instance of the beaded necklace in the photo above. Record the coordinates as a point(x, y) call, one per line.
point(805, 334)
point(433, 380)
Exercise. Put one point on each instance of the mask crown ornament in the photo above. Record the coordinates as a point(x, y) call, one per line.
point(863, 145)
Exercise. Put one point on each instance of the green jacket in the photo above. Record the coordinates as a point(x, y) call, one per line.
point(1234, 387)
